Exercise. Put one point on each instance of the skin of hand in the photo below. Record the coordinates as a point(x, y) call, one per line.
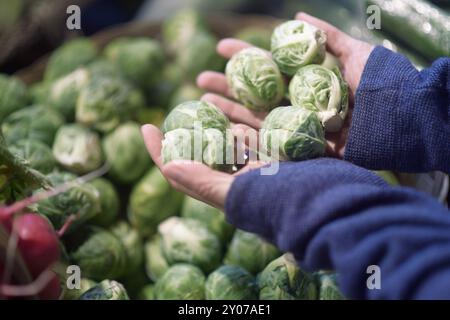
point(201, 182)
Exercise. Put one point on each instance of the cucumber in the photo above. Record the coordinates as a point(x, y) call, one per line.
point(421, 25)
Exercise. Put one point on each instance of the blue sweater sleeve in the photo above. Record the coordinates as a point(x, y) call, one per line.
point(333, 215)
point(401, 119)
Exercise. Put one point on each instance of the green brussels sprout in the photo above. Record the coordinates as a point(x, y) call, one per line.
point(106, 290)
point(77, 148)
point(133, 244)
point(69, 57)
point(107, 102)
point(181, 282)
point(101, 255)
point(323, 91)
point(40, 92)
point(198, 130)
point(152, 200)
point(257, 36)
point(125, 152)
point(389, 177)
point(255, 80)
point(80, 203)
point(35, 122)
point(231, 283)
point(147, 292)
point(178, 30)
point(186, 240)
point(249, 251)
point(186, 92)
point(328, 287)
point(64, 92)
point(331, 62)
point(140, 59)
point(213, 218)
point(293, 133)
point(75, 294)
point(155, 262)
point(199, 55)
point(295, 44)
point(13, 95)
point(133, 281)
point(103, 68)
point(109, 203)
point(282, 279)
point(37, 154)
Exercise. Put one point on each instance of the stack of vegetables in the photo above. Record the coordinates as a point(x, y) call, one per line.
point(130, 233)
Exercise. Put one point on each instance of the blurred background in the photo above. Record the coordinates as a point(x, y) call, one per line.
point(31, 28)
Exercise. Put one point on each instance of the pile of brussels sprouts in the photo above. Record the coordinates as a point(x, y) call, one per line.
point(130, 232)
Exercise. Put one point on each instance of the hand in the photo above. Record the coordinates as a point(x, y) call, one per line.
point(352, 53)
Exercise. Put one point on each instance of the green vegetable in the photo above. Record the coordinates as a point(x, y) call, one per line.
point(181, 282)
point(255, 79)
point(109, 203)
point(213, 218)
point(69, 57)
point(75, 294)
point(328, 287)
point(106, 290)
point(249, 251)
point(77, 149)
point(13, 95)
point(140, 59)
point(35, 122)
point(155, 262)
point(133, 244)
point(257, 36)
point(231, 283)
point(101, 255)
point(152, 200)
point(295, 44)
point(147, 292)
point(293, 133)
point(186, 92)
point(125, 152)
point(36, 154)
point(282, 279)
point(323, 91)
point(40, 92)
point(190, 241)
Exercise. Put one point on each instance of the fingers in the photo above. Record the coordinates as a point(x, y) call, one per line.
point(235, 111)
point(215, 82)
point(229, 47)
point(153, 138)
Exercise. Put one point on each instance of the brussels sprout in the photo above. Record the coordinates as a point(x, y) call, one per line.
point(147, 293)
point(257, 36)
point(389, 177)
point(109, 203)
point(213, 218)
point(35, 122)
point(69, 57)
point(295, 44)
point(155, 262)
point(80, 203)
point(39, 92)
point(152, 200)
point(186, 92)
point(107, 102)
point(77, 148)
point(13, 95)
point(282, 279)
point(106, 290)
point(125, 152)
point(330, 62)
point(133, 244)
point(75, 294)
point(102, 68)
point(190, 241)
point(323, 91)
point(328, 287)
point(198, 130)
point(249, 251)
point(37, 154)
point(199, 55)
point(292, 133)
point(255, 79)
point(101, 255)
point(140, 59)
point(181, 282)
point(64, 92)
point(231, 283)
point(180, 28)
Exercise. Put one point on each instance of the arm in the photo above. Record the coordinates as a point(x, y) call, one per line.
point(401, 119)
point(333, 215)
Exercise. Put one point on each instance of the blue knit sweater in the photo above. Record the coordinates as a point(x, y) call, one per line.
point(335, 215)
